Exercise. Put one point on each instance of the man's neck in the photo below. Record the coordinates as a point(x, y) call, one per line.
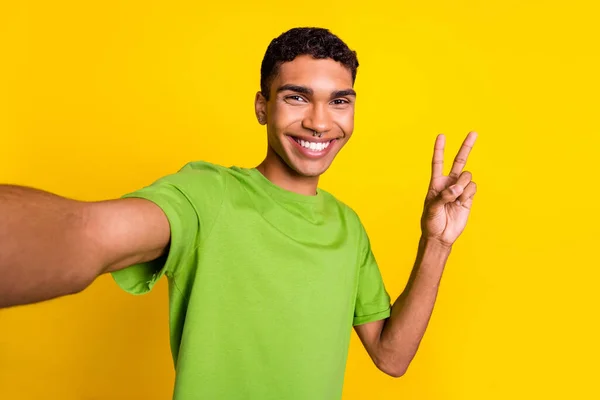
point(280, 174)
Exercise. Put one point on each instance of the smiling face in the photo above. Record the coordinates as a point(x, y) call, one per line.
point(308, 95)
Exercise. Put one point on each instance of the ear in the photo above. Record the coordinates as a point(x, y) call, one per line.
point(260, 108)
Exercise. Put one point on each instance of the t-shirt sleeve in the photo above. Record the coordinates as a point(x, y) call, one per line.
point(190, 199)
point(372, 300)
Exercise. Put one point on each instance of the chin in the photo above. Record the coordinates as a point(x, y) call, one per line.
point(309, 171)
point(304, 166)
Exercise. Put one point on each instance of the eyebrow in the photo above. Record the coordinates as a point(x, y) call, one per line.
point(309, 91)
point(343, 93)
point(295, 88)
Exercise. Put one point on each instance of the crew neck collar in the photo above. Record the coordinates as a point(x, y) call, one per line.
point(282, 193)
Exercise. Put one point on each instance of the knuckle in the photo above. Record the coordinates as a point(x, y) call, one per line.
point(453, 191)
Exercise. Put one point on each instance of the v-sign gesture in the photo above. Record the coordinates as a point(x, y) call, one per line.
point(449, 198)
point(393, 343)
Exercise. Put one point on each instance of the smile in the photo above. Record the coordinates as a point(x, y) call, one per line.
point(312, 148)
point(318, 146)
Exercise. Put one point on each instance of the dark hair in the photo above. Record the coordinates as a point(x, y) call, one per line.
point(317, 42)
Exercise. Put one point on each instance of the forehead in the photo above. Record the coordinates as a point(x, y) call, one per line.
point(318, 74)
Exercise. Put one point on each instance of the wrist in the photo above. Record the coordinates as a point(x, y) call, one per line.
point(432, 257)
point(433, 245)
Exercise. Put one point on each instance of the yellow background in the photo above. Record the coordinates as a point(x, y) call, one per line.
point(100, 98)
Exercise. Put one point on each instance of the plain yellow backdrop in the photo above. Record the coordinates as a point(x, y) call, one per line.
point(101, 98)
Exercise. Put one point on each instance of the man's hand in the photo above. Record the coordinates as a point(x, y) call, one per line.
point(449, 198)
point(393, 343)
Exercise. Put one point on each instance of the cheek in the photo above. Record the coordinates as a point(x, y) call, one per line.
point(346, 122)
point(282, 116)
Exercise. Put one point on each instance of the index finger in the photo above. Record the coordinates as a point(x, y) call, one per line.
point(437, 164)
point(463, 154)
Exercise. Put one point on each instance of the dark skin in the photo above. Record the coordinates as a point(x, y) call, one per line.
point(307, 95)
point(310, 95)
point(78, 241)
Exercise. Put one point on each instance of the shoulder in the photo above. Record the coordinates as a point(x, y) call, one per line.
point(348, 212)
point(355, 229)
point(195, 170)
point(194, 176)
point(206, 171)
point(196, 182)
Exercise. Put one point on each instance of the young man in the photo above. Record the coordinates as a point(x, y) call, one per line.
point(267, 272)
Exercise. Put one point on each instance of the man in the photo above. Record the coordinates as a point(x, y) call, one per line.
point(267, 272)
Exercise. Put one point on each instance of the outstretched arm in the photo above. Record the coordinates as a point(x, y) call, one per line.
point(392, 343)
point(52, 246)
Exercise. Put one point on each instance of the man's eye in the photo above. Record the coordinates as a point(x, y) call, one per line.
point(339, 102)
point(295, 98)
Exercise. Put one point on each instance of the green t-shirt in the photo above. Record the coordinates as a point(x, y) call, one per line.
point(264, 285)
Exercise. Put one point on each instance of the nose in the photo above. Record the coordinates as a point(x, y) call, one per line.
point(317, 118)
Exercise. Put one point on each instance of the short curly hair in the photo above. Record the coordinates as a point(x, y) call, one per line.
point(317, 42)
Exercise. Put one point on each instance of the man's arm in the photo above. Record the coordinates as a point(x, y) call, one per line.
point(52, 246)
point(392, 343)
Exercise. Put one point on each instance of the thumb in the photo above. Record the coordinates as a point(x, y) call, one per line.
point(448, 195)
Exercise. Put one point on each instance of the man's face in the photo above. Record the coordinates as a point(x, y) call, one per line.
point(309, 95)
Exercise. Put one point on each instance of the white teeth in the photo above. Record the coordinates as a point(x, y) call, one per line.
point(314, 145)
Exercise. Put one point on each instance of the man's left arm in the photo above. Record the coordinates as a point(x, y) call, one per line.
point(393, 342)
